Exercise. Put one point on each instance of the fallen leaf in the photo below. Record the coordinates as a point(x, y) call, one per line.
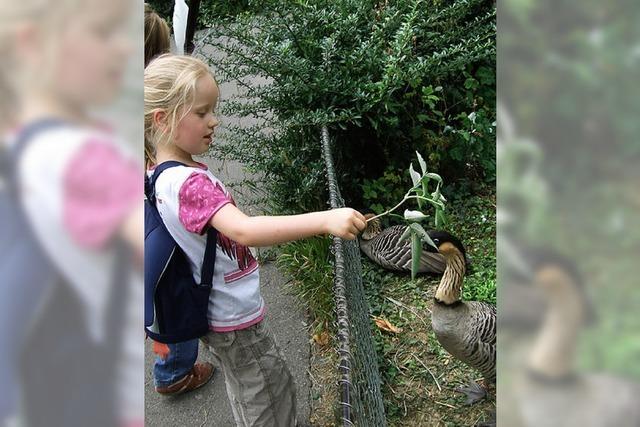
point(322, 339)
point(385, 325)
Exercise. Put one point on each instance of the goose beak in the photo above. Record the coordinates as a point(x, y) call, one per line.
point(431, 247)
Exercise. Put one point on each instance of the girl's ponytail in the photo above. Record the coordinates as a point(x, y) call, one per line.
point(149, 154)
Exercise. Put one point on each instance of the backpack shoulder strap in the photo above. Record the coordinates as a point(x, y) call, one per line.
point(150, 182)
point(208, 263)
point(13, 154)
point(27, 133)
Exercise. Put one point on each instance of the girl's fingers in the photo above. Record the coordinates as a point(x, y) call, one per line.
point(360, 224)
point(346, 235)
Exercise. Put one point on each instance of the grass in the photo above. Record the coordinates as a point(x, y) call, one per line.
point(419, 377)
point(309, 263)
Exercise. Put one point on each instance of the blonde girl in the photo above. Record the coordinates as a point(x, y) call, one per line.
point(180, 122)
point(79, 193)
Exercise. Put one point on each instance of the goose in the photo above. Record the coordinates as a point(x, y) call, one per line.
point(385, 249)
point(522, 305)
point(550, 391)
point(465, 329)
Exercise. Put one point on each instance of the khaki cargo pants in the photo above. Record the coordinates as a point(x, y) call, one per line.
point(259, 385)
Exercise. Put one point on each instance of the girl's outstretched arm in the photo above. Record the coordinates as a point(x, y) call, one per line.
point(270, 230)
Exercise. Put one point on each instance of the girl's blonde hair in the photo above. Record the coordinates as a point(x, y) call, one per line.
point(156, 35)
point(49, 19)
point(169, 86)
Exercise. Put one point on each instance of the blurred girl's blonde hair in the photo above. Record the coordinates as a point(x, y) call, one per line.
point(49, 20)
point(169, 86)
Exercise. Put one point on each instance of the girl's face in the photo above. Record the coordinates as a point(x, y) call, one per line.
point(194, 132)
point(79, 58)
point(93, 53)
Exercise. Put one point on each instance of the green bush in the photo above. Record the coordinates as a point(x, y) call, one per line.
point(163, 8)
point(309, 262)
point(568, 77)
point(379, 194)
point(388, 78)
point(211, 12)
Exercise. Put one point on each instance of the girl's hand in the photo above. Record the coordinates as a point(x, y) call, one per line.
point(346, 223)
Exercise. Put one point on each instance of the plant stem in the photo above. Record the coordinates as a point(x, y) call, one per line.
point(406, 197)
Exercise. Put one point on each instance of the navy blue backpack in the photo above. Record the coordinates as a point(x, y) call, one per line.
point(175, 306)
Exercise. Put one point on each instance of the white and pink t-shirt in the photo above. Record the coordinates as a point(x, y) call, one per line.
point(187, 199)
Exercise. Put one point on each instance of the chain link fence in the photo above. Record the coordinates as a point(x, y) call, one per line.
point(360, 394)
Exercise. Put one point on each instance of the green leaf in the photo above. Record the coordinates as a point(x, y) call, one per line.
point(441, 218)
point(424, 236)
point(470, 83)
point(416, 252)
point(423, 164)
point(437, 196)
point(433, 176)
point(405, 235)
point(424, 192)
point(415, 176)
point(413, 215)
point(377, 208)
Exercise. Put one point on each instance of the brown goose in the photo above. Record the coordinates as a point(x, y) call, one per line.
point(552, 392)
point(385, 249)
point(466, 329)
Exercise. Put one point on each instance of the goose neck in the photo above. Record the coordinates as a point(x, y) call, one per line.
point(450, 288)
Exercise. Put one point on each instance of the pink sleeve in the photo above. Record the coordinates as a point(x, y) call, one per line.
point(100, 187)
point(199, 200)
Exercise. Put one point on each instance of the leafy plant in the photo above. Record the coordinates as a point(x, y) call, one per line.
point(419, 192)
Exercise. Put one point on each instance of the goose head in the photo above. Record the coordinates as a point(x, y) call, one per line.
point(559, 281)
point(446, 243)
point(374, 227)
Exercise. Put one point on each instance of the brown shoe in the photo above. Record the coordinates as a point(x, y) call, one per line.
point(199, 375)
